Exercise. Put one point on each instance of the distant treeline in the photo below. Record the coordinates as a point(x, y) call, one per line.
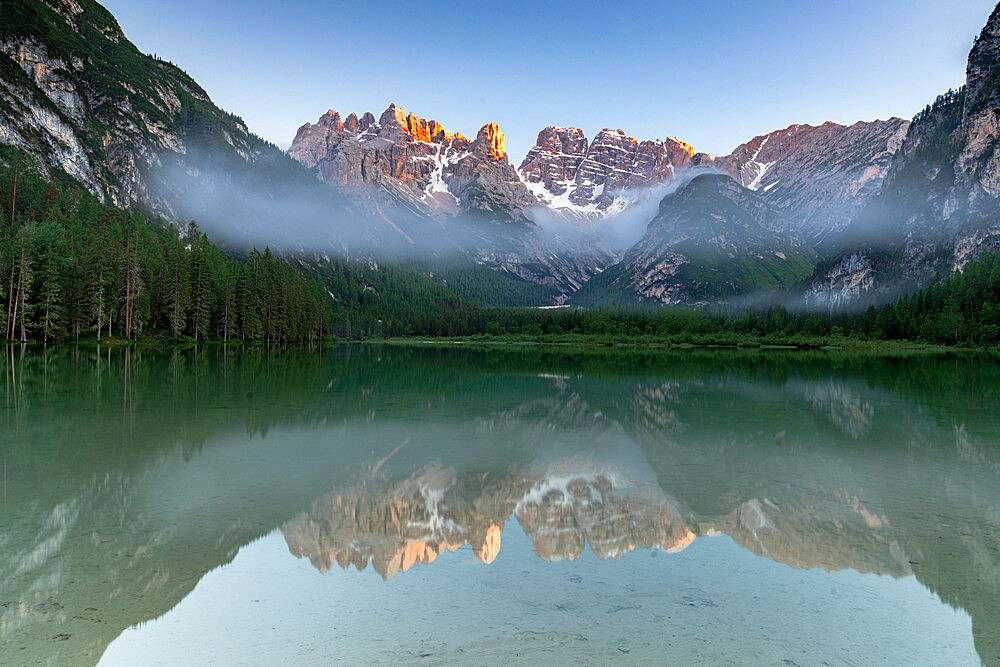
point(72, 267)
point(962, 309)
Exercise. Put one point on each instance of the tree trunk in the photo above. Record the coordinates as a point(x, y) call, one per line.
point(128, 289)
point(17, 297)
point(13, 199)
point(10, 299)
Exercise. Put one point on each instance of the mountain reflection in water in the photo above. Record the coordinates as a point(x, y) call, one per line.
point(130, 476)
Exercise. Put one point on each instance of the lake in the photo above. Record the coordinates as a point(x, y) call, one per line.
point(406, 504)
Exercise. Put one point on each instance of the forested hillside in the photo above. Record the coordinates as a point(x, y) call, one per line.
point(72, 267)
point(962, 309)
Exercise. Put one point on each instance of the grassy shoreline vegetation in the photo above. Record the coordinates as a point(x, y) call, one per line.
point(75, 269)
point(821, 344)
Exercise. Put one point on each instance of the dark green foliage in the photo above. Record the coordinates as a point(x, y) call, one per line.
point(71, 267)
point(481, 284)
point(373, 300)
point(961, 310)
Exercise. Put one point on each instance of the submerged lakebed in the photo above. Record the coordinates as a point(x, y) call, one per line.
point(442, 504)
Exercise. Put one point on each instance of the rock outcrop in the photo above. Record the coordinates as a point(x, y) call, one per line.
point(820, 177)
point(418, 161)
point(79, 96)
point(843, 284)
point(711, 241)
point(582, 180)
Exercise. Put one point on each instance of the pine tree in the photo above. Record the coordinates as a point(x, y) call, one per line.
point(50, 301)
point(23, 308)
point(178, 284)
point(202, 288)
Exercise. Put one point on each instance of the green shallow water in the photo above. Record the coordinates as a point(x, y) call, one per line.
point(361, 504)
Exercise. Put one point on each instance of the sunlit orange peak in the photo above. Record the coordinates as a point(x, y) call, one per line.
point(683, 145)
point(494, 138)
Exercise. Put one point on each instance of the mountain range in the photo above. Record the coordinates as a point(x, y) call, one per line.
point(829, 216)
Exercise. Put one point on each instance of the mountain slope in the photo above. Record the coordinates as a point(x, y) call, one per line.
point(711, 241)
point(820, 177)
point(940, 204)
point(137, 131)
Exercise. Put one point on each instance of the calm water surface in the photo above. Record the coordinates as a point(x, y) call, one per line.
point(403, 505)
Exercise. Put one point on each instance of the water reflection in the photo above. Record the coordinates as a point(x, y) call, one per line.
point(397, 525)
point(130, 475)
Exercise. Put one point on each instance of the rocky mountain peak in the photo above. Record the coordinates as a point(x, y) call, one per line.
point(393, 125)
point(554, 158)
point(351, 123)
point(393, 113)
point(417, 161)
point(983, 70)
point(681, 146)
point(489, 142)
point(820, 176)
point(332, 120)
point(581, 179)
point(396, 125)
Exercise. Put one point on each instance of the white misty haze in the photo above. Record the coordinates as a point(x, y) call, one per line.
point(621, 231)
point(244, 207)
point(714, 73)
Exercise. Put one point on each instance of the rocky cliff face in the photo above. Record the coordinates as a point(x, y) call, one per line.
point(713, 240)
point(820, 177)
point(419, 161)
point(844, 283)
point(940, 203)
point(581, 180)
point(79, 96)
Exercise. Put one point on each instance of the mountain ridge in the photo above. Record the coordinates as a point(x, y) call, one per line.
point(886, 203)
point(712, 240)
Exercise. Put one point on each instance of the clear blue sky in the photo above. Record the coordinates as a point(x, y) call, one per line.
point(712, 72)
